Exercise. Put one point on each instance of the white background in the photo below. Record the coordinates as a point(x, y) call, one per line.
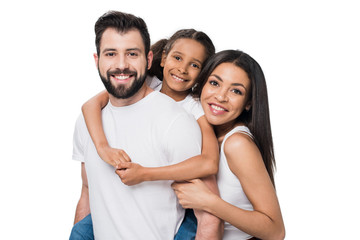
point(309, 51)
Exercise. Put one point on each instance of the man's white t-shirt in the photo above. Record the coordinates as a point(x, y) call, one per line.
point(154, 132)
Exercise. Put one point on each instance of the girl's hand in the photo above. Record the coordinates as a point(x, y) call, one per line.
point(113, 156)
point(130, 173)
point(193, 194)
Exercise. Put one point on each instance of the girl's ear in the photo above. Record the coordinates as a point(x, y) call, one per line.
point(163, 58)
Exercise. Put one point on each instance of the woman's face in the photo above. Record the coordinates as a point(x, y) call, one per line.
point(226, 94)
point(182, 64)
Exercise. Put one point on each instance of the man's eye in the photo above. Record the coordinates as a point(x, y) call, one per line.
point(110, 54)
point(133, 54)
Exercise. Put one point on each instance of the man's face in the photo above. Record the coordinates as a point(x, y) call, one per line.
point(122, 63)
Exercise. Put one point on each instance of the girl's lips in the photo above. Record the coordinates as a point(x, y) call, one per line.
point(178, 79)
point(217, 109)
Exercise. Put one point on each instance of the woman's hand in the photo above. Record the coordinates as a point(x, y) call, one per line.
point(193, 194)
point(131, 173)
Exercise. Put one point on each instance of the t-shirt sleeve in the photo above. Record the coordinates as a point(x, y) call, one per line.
point(197, 110)
point(183, 139)
point(79, 139)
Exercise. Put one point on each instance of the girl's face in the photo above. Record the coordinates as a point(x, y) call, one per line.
point(226, 94)
point(182, 65)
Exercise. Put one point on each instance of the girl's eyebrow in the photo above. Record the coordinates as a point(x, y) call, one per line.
point(233, 84)
point(180, 53)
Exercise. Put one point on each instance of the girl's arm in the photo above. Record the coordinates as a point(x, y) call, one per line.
point(199, 166)
point(245, 161)
point(92, 114)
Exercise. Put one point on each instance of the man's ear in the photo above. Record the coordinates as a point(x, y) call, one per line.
point(96, 58)
point(163, 58)
point(150, 57)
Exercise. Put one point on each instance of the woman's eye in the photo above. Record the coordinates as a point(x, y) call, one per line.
point(214, 83)
point(237, 91)
point(177, 58)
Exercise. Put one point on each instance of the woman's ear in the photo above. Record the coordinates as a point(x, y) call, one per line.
point(163, 58)
point(248, 106)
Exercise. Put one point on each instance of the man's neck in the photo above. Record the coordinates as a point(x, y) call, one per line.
point(122, 102)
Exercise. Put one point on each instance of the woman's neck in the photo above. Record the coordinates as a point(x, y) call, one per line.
point(222, 130)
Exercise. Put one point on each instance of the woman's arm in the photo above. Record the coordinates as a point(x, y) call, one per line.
point(199, 166)
point(245, 161)
point(92, 114)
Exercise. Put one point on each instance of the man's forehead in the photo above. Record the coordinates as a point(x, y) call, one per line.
point(130, 39)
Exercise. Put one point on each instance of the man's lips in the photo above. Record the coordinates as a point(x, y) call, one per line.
point(122, 78)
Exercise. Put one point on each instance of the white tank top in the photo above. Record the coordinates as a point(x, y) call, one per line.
point(231, 190)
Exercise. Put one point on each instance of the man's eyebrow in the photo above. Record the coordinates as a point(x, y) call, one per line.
point(134, 49)
point(114, 50)
point(109, 50)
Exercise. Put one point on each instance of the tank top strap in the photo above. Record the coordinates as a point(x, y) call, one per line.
point(241, 129)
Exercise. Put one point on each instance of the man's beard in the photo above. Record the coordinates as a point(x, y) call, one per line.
point(122, 91)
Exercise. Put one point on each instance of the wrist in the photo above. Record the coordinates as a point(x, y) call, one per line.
point(211, 201)
point(101, 145)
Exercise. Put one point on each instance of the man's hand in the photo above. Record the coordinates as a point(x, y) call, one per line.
point(130, 173)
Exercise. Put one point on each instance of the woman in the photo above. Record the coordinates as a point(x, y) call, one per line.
point(234, 99)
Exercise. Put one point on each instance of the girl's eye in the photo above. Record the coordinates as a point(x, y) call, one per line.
point(177, 58)
point(194, 65)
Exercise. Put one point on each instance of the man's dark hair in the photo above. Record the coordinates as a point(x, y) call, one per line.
point(122, 22)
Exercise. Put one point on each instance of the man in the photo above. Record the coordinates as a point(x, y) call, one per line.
point(148, 124)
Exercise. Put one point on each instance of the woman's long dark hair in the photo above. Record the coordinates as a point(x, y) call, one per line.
point(257, 119)
point(165, 45)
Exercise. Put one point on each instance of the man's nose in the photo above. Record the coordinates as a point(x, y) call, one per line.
point(121, 62)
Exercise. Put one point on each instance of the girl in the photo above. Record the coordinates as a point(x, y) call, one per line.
point(178, 62)
point(234, 99)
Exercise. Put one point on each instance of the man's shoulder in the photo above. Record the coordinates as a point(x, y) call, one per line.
point(164, 101)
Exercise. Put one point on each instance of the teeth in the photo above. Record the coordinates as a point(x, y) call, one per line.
point(122, 77)
point(217, 108)
point(177, 78)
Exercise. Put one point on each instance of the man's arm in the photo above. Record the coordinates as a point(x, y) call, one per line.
point(83, 206)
